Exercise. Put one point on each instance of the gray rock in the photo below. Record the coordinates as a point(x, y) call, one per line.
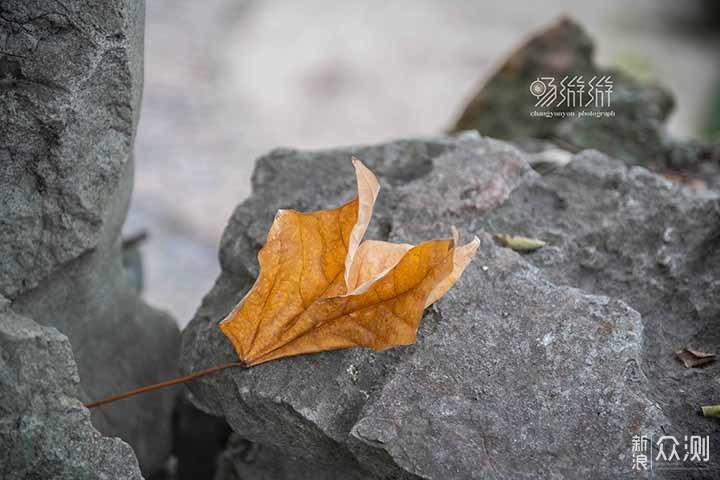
point(70, 91)
point(332, 182)
point(514, 363)
point(632, 235)
point(45, 432)
point(120, 343)
point(635, 132)
point(509, 361)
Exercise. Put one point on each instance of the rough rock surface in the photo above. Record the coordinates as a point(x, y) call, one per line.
point(119, 342)
point(559, 354)
point(632, 235)
point(44, 430)
point(70, 90)
point(70, 83)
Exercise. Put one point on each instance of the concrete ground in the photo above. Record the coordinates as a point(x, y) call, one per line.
point(227, 80)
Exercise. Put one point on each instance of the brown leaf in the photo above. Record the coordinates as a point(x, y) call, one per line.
point(682, 179)
point(322, 288)
point(693, 358)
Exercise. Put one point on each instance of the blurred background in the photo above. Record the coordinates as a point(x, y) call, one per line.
point(229, 80)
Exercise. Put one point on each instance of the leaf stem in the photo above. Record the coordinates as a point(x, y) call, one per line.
point(167, 383)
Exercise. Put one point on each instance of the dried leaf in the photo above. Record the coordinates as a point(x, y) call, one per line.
point(693, 358)
point(686, 180)
point(461, 259)
point(518, 243)
point(711, 410)
point(322, 288)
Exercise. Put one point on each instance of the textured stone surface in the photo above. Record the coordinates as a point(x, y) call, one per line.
point(514, 363)
point(512, 359)
point(70, 91)
point(70, 84)
point(120, 343)
point(45, 432)
point(632, 235)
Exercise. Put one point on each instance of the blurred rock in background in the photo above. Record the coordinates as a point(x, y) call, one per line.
point(503, 109)
point(632, 115)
